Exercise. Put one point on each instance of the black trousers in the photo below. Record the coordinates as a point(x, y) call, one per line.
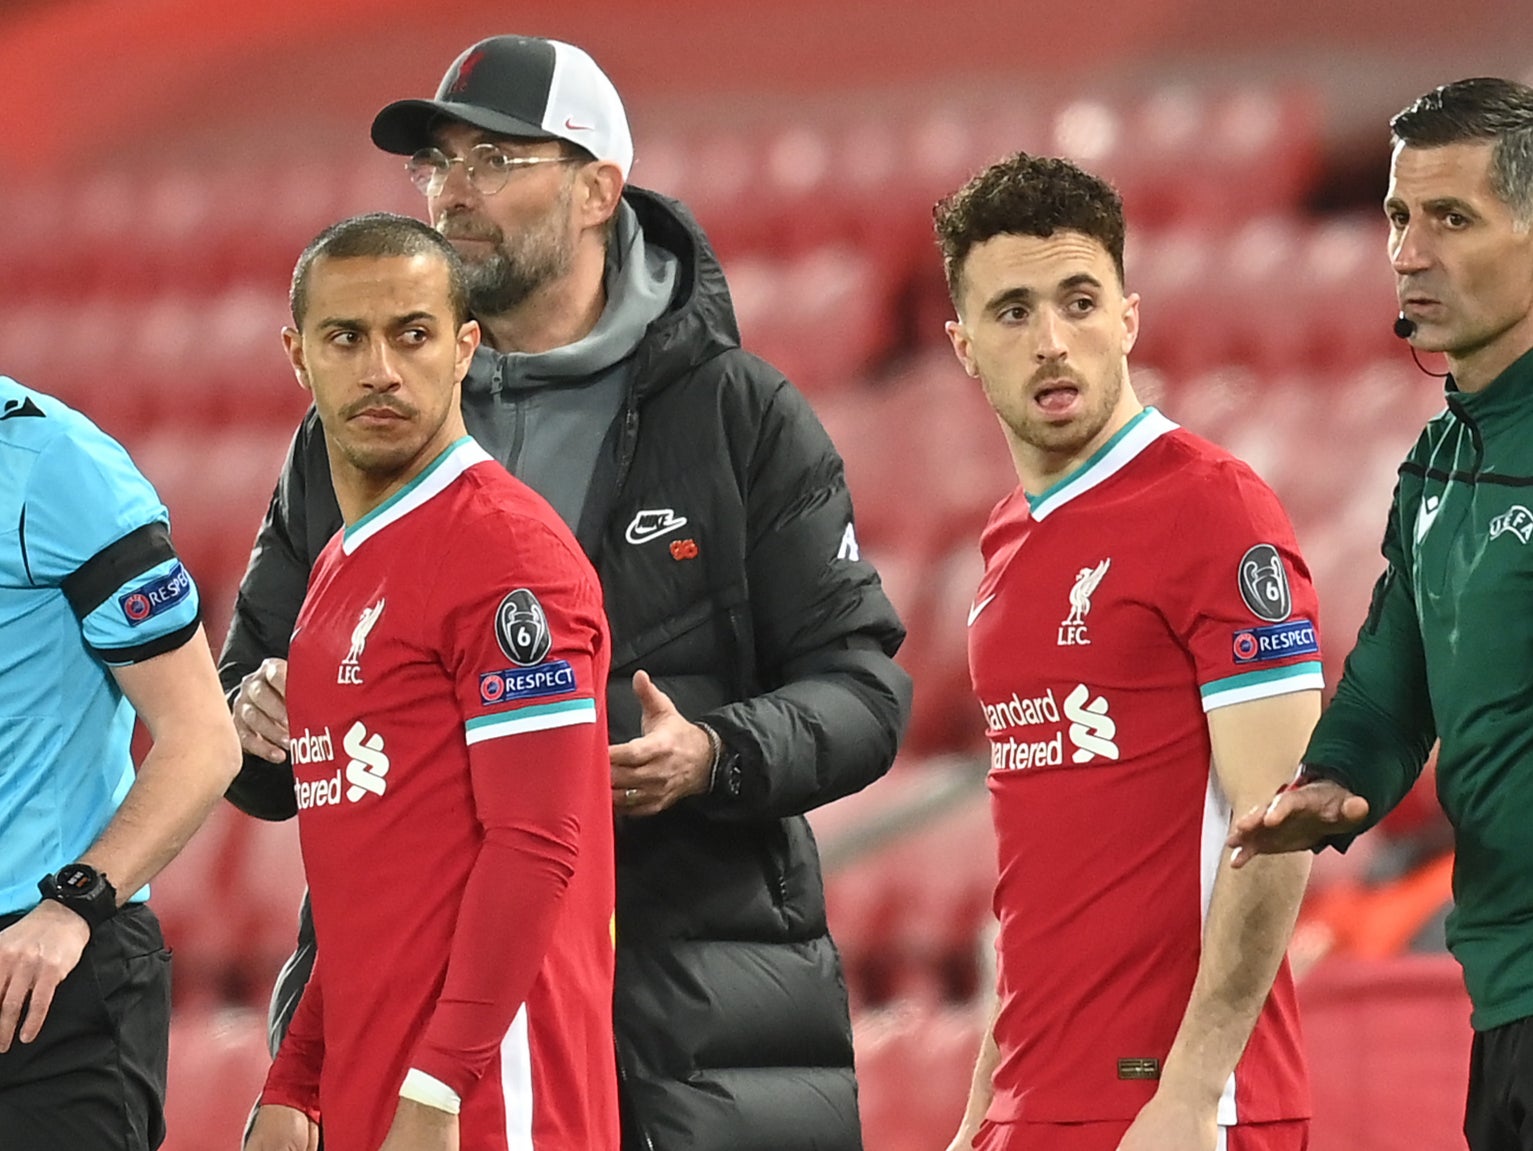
point(1499, 1113)
point(94, 1078)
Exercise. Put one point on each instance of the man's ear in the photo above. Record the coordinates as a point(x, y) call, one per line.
point(963, 347)
point(469, 336)
point(292, 344)
point(602, 188)
point(1130, 322)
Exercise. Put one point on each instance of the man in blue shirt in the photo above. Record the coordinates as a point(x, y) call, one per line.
point(99, 620)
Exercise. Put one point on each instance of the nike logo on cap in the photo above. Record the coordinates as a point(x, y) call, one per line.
point(569, 123)
point(979, 607)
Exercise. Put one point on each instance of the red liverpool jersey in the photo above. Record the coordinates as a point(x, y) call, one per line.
point(449, 745)
point(1157, 582)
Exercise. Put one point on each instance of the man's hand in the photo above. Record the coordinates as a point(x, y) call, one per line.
point(417, 1127)
point(260, 711)
point(1166, 1123)
point(36, 953)
point(1296, 819)
point(278, 1128)
point(670, 761)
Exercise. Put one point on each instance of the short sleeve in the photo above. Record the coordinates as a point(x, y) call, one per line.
point(525, 635)
point(1239, 595)
point(95, 528)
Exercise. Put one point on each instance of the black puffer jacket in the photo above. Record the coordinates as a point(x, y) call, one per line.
point(731, 1008)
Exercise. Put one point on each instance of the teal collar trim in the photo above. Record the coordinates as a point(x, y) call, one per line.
point(434, 478)
point(1131, 439)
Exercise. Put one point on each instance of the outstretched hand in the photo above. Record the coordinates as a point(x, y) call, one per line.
point(1296, 819)
point(671, 760)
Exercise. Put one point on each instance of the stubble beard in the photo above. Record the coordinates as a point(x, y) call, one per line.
point(521, 265)
point(381, 458)
point(1072, 437)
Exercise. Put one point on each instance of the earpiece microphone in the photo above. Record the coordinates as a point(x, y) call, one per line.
point(1405, 328)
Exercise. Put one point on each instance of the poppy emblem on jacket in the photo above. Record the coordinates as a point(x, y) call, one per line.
point(684, 549)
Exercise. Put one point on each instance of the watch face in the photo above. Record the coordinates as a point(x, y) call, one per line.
point(77, 879)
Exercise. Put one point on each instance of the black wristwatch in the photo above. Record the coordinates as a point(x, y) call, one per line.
point(83, 890)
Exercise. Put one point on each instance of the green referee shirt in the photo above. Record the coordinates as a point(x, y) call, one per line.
point(1447, 653)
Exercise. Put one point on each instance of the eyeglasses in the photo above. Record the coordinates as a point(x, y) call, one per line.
point(486, 167)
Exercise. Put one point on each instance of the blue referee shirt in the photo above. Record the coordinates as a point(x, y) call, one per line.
point(88, 579)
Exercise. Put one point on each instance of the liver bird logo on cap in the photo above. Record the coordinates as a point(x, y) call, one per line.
point(469, 64)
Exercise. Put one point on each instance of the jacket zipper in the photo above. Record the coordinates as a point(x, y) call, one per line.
point(628, 443)
point(633, 1112)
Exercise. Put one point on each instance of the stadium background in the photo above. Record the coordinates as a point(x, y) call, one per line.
point(165, 160)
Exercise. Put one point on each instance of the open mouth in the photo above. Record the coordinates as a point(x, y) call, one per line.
point(1058, 398)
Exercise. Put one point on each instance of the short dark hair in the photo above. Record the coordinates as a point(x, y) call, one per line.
point(1485, 108)
point(1025, 195)
point(379, 234)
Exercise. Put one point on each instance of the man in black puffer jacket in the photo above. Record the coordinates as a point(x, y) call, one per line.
point(716, 512)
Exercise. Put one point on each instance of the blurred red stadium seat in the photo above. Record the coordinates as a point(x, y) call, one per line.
point(914, 1064)
point(190, 898)
point(908, 914)
point(266, 886)
point(218, 1063)
point(217, 492)
point(1388, 1044)
point(822, 318)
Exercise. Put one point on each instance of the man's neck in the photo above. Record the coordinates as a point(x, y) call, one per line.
point(360, 492)
point(1039, 470)
point(1478, 369)
point(557, 314)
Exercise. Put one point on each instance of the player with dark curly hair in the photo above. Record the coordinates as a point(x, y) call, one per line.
point(1144, 645)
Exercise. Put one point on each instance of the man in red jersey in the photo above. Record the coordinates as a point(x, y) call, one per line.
point(449, 750)
point(1144, 646)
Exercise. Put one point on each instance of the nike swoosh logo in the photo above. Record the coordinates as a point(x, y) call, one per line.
point(979, 607)
point(570, 124)
point(648, 526)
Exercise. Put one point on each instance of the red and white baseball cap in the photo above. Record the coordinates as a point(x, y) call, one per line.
point(521, 86)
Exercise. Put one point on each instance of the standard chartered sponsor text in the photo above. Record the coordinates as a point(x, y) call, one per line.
point(1085, 720)
point(366, 766)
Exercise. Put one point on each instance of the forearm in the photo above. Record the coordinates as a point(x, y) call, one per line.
point(1369, 750)
point(515, 890)
point(1250, 918)
point(194, 755)
point(261, 788)
point(1377, 731)
point(824, 734)
point(510, 906)
point(271, 593)
point(982, 1085)
point(178, 783)
point(293, 1078)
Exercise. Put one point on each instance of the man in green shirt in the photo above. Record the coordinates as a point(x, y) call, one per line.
point(1446, 653)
